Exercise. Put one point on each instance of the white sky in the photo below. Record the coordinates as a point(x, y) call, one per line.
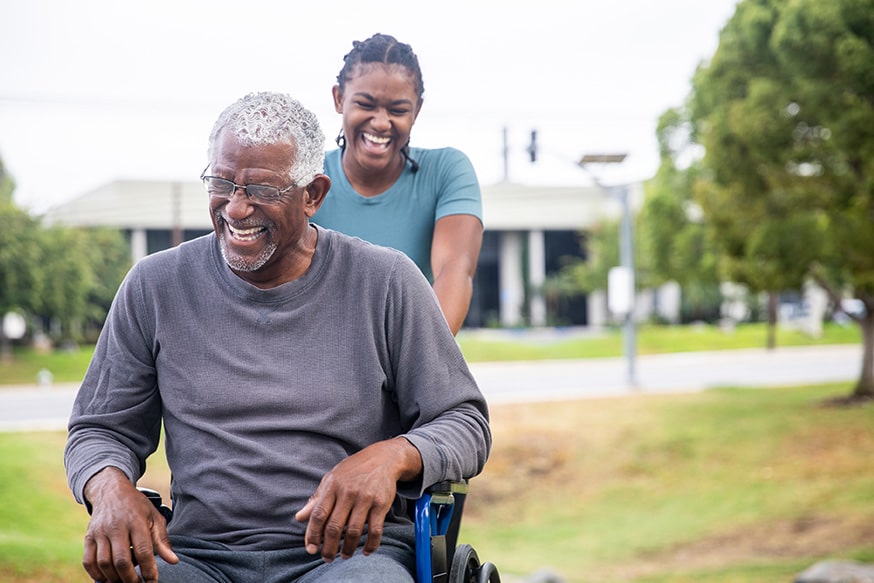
point(98, 90)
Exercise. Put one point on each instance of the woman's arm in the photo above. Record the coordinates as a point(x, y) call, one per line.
point(454, 255)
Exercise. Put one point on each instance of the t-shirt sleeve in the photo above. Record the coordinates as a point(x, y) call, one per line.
point(459, 190)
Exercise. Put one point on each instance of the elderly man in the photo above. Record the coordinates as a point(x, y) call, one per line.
point(306, 381)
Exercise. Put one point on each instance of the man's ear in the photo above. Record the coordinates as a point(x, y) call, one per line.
point(315, 193)
point(338, 98)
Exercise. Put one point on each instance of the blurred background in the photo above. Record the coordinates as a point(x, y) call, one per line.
point(678, 203)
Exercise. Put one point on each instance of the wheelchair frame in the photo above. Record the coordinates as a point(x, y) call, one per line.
point(432, 516)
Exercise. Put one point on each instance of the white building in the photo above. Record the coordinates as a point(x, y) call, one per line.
point(528, 230)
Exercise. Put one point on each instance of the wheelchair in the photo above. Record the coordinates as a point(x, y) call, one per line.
point(437, 518)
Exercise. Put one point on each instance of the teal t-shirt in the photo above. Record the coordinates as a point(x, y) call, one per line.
point(403, 216)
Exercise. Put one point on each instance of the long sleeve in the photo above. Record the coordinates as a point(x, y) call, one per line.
point(116, 416)
point(261, 392)
point(437, 393)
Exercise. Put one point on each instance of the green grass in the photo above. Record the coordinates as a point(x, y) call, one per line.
point(744, 485)
point(487, 345)
point(65, 365)
point(725, 486)
point(41, 528)
point(490, 345)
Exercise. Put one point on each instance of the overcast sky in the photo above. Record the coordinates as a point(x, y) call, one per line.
point(98, 90)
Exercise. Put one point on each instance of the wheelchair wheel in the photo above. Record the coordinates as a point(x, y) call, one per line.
point(488, 573)
point(465, 565)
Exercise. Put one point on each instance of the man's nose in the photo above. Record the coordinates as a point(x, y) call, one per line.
point(239, 206)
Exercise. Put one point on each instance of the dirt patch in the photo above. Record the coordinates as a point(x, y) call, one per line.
point(809, 536)
point(849, 401)
point(570, 454)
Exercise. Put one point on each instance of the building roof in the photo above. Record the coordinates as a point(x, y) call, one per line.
point(141, 204)
point(137, 204)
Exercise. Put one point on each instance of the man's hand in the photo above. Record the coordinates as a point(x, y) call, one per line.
point(359, 491)
point(123, 521)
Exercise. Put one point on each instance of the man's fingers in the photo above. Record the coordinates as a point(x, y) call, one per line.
point(108, 561)
point(89, 559)
point(145, 545)
point(354, 531)
point(123, 563)
point(104, 562)
point(375, 525)
point(335, 526)
point(304, 513)
point(162, 543)
point(317, 511)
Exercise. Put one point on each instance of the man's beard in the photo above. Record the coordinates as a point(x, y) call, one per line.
point(242, 264)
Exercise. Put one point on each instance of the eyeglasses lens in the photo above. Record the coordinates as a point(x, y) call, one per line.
point(225, 188)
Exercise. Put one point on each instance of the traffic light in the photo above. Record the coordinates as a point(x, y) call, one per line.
point(532, 147)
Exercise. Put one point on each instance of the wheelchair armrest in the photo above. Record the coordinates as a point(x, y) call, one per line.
point(448, 487)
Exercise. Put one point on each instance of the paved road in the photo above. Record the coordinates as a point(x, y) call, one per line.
point(692, 371)
point(31, 408)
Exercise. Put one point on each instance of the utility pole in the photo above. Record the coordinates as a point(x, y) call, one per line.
point(621, 287)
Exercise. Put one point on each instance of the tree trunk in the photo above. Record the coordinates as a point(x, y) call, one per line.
point(772, 321)
point(865, 387)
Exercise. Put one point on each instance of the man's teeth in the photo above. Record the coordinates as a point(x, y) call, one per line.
point(376, 139)
point(250, 233)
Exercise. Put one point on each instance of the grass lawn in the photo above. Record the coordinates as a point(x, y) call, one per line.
point(725, 486)
point(491, 345)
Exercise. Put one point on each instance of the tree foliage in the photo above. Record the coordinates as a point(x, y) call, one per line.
point(671, 233)
point(7, 185)
point(785, 113)
point(56, 274)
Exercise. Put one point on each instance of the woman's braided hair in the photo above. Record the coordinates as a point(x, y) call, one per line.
point(384, 49)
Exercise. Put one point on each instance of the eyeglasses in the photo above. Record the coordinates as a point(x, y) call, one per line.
point(261, 193)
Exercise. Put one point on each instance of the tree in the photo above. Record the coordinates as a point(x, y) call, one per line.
point(671, 234)
point(7, 185)
point(82, 271)
point(785, 113)
point(20, 272)
point(65, 275)
point(602, 253)
point(68, 278)
point(109, 258)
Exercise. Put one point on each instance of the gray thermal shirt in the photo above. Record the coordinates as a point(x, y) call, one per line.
point(262, 392)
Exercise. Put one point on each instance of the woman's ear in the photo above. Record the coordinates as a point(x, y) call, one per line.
point(315, 193)
point(338, 98)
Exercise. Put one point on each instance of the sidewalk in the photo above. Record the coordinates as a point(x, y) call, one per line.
point(36, 407)
point(48, 408)
point(667, 373)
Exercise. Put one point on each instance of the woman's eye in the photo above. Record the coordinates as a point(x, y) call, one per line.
point(364, 105)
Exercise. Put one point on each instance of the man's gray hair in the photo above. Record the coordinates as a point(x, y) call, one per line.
point(275, 118)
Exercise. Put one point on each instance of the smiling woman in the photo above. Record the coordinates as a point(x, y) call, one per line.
point(424, 202)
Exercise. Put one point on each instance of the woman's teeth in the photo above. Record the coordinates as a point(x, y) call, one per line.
point(376, 139)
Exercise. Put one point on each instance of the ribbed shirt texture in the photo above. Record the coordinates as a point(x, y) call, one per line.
point(262, 392)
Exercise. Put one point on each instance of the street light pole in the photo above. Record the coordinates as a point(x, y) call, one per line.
point(626, 259)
